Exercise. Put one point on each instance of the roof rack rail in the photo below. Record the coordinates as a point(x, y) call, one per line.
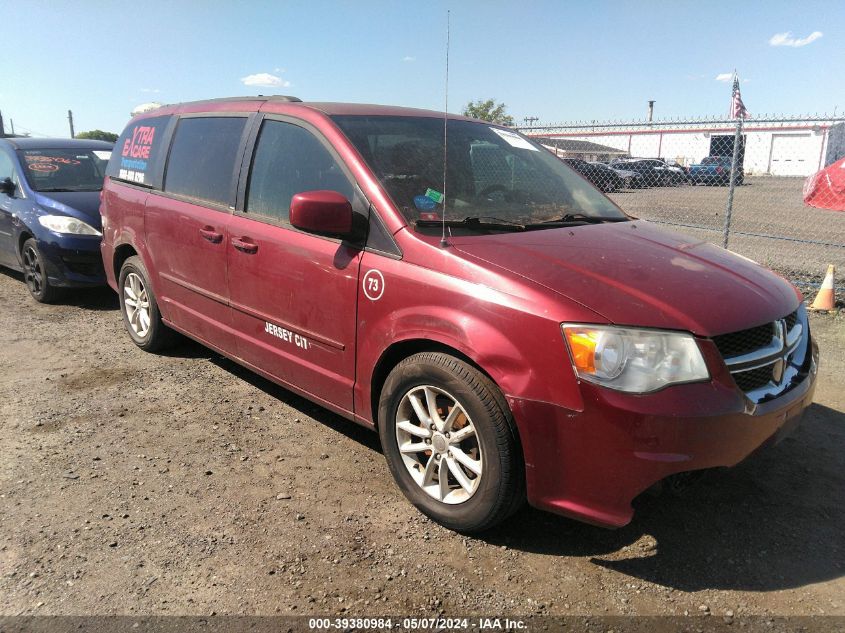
point(254, 98)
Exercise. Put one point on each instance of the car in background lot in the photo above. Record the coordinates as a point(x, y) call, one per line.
point(653, 172)
point(505, 327)
point(715, 170)
point(599, 174)
point(630, 179)
point(49, 212)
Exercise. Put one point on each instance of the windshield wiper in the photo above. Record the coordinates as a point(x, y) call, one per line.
point(577, 218)
point(477, 222)
point(63, 189)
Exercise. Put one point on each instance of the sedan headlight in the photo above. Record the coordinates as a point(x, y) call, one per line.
point(68, 225)
point(633, 360)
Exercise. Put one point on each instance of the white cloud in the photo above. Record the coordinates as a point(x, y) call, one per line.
point(408, 58)
point(265, 80)
point(786, 39)
point(725, 77)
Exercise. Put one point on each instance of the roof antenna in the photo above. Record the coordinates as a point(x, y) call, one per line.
point(443, 242)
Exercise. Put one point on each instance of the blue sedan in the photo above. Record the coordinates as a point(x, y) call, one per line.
point(50, 226)
point(715, 170)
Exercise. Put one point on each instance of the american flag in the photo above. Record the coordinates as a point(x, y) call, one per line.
point(738, 110)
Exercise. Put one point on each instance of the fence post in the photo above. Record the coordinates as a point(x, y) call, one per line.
point(732, 184)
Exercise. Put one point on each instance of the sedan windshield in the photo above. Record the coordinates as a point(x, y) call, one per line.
point(491, 172)
point(65, 169)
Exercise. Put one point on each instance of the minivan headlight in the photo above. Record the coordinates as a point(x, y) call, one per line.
point(633, 360)
point(68, 225)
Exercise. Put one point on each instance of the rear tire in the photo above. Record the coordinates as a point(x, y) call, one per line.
point(450, 443)
point(139, 308)
point(35, 274)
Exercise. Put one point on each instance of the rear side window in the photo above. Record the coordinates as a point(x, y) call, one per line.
point(288, 160)
point(203, 157)
point(139, 151)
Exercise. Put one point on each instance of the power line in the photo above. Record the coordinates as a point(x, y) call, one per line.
point(32, 132)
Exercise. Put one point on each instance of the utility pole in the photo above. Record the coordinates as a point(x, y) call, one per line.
point(12, 124)
point(2, 129)
point(70, 121)
point(530, 120)
point(650, 110)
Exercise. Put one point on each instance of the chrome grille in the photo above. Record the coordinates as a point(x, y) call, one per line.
point(791, 320)
point(753, 378)
point(745, 341)
point(760, 359)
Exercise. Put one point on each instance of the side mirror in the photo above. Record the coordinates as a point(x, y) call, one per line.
point(323, 212)
point(7, 187)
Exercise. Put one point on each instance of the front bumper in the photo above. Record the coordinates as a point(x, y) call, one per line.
point(73, 261)
point(591, 464)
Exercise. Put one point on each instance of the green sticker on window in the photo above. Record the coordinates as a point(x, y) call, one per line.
point(434, 195)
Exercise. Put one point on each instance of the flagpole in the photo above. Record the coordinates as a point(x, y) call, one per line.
point(732, 186)
point(732, 183)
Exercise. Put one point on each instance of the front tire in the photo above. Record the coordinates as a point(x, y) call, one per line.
point(450, 443)
point(35, 274)
point(140, 309)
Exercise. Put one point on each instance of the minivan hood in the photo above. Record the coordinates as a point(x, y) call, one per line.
point(634, 273)
point(84, 205)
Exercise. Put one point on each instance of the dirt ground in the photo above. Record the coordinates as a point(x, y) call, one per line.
point(132, 483)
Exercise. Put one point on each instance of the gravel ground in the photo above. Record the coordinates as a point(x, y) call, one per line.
point(763, 205)
point(132, 483)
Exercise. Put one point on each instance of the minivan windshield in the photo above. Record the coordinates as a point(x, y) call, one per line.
point(494, 176)
point(49, 170)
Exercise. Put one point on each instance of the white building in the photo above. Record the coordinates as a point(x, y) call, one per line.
point(780, 147)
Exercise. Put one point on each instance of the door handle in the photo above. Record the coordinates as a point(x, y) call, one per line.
point(245, 245)
point(211, 235)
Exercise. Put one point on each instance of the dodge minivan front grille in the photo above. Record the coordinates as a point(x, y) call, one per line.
point(745, 341)
point(759, 358)
point(753, 378)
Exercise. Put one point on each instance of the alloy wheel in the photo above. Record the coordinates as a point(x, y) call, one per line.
point(439, 444)
point(136, 303)
point(32, 270)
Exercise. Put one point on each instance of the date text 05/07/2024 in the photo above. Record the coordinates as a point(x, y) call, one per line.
point(418, 624)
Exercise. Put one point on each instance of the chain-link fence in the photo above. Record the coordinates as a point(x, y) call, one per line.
point(770, 188)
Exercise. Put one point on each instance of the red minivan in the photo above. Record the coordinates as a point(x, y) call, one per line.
point(510, 332)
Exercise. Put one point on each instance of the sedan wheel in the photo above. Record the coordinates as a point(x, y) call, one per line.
point(35, 274)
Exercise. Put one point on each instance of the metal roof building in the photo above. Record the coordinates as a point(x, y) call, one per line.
point(775, 146)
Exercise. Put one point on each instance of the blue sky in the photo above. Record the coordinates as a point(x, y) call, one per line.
point(555, 60)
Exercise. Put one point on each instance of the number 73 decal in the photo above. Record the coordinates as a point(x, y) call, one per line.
point(373, 285)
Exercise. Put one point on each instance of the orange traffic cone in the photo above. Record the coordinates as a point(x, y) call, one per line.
point(825, 299)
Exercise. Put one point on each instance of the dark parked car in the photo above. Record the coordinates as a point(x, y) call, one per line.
point(49, 212)
point(630, 179)
point(653, 172)
point(715, 170)
point(600, 175)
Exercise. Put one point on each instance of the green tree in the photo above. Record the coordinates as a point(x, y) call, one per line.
point(98, 135)
point(489, 111)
